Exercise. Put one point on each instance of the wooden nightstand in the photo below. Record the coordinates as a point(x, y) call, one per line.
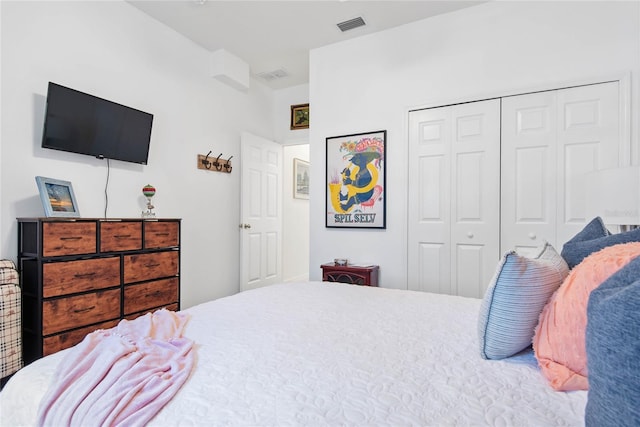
point(355, 275)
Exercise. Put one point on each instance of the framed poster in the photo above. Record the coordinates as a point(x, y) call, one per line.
point(356, 180)
point(58, 199)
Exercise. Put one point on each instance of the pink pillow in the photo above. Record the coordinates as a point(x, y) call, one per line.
point(559, 339)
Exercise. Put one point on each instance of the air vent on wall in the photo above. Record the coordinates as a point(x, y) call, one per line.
point(273, 75)
point(351, 24)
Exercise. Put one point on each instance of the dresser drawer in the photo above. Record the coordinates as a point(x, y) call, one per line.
point(160, 234)
point(138, 268)
point(68, 238)
point(145, 296)
point(62, 278)
point(64, 340)
point(120, 236)
point(170, 307)
point(68, 313)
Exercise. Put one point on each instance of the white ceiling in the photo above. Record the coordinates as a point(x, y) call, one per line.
point(274, 35)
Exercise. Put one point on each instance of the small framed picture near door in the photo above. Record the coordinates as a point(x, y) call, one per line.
point(356, 180)
point(300, 116)
point(300, 179)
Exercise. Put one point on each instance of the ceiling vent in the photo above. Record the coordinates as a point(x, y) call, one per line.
point(273, 75)
point(351, 24)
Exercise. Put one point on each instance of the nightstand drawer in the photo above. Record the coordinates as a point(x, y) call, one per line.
point(67, 313)
point(120, 236)
point(160, 235)
point(68, 238)
point(352, 274)
point(149, 295)
point(63, 278)
point(138, 268)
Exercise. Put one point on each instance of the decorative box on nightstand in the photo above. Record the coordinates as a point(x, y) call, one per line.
point(353, 274)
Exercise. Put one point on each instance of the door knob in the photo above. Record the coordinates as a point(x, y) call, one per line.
point(470, 235)
point(246, 225)
point(532, 236)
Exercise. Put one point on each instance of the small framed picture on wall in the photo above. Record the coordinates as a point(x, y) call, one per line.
point(300, 116)
point(300, 179)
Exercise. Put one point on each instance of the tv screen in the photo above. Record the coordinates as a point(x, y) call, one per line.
point(81, 123)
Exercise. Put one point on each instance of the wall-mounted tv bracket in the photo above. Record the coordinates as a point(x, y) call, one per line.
point(215, 164)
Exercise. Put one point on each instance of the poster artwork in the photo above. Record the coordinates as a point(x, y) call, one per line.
point(356, 180)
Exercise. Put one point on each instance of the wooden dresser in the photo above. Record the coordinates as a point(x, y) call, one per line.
point(78, 275)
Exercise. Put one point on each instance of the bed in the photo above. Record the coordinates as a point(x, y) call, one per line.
point(334, 354)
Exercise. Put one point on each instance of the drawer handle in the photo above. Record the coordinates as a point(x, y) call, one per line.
point(71, 238)
point(151, 265)
point(84, 310)
point(82, 275)
point(122, 236)
point(162, 234)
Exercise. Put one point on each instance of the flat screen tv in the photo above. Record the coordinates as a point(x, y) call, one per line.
point(81, 123)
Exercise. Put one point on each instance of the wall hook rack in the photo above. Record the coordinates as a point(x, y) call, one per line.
point(214, 164)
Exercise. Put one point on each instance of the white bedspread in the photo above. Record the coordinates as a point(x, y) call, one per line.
point(333, 354)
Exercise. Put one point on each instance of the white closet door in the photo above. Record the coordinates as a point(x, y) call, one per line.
point(475, 185)
point(454, 180)
point(529, 171)
point(429, 205)
point(588, 139)
point(550, 140)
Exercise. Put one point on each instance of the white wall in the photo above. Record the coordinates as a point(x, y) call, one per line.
point(283, 100)
point(295, 229)
point(295, 218)
point(370, 83)
point(113, 50)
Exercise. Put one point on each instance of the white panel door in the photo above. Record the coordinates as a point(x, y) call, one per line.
point(588, 139)
point(475, 191)
point(260, 210)
point(429, 204)
point(453, 210)
point(550, 140)
point(529, 171)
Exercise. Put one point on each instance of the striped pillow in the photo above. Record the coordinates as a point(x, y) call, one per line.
point(519, 290)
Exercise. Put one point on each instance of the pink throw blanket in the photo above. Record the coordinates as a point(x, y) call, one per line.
point(121, 376)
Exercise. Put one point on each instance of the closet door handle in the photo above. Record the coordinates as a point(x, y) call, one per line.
point(532, 236)
point(470, 235)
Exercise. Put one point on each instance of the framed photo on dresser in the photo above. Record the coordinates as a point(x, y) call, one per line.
point(58, 198)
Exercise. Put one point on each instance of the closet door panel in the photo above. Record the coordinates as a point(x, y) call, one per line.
point(532, 168)
point(429, 211)
point(579, 159)
point(453, 214)
point(528, 168)
point(589, 139)
point(434, 268)
point(470, 259)
point(475, 209)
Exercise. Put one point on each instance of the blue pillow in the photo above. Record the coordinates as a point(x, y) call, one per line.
point(613, 350)
point(591, 239)
point(519, 290)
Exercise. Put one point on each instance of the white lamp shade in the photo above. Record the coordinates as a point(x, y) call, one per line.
point(614, 195)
